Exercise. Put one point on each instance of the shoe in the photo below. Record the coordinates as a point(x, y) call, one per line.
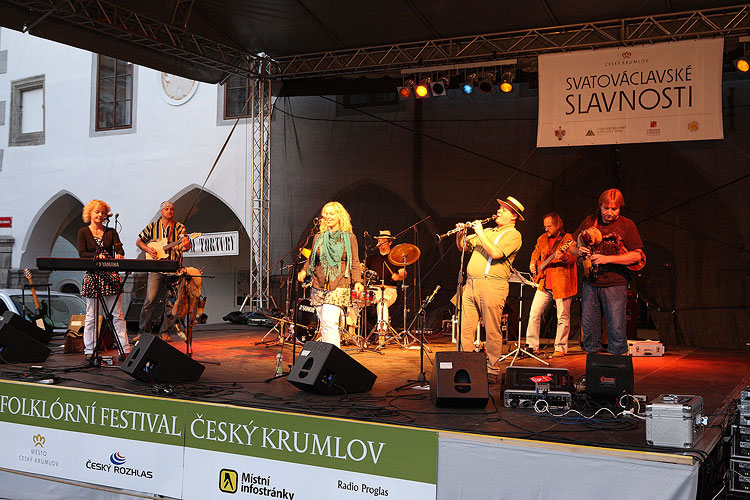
point(492, 378)
point(558, 354)
point(530, 350)
point(88, 358)
point(182, 335)
point(135, 339)
point(165, 337)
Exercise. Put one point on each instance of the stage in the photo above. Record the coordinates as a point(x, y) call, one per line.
point(473, 442)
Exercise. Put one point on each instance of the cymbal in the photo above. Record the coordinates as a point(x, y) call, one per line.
point(404, 252)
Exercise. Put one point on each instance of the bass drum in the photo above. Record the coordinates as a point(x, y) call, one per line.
point(306, 321)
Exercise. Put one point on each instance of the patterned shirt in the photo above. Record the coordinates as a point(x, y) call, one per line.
point(157, 231)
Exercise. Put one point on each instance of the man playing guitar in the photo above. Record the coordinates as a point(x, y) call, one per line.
point(166, 230)
point(557, 280)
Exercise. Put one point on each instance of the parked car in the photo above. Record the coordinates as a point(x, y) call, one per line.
point(61, 306)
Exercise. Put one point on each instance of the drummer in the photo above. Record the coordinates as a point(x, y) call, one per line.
point(388, 276)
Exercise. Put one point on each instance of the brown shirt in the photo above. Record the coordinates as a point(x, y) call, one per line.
point(319, 279)
point(560, 275)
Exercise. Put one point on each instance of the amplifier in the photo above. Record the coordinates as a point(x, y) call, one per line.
point(519, 377)
point(740, 475)
point(741, 441)
point(675, 420)
point(520, 398)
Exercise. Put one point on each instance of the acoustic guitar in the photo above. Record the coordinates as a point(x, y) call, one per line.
point(162, 247)
point(540, 269)
point(40, 318)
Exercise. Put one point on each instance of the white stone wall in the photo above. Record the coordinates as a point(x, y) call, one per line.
point(167, 154)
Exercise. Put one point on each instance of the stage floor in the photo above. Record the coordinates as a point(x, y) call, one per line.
point(237, 366)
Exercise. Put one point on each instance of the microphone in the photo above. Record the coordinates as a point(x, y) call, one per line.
point(316, 221)
point(108, 216)
point(434, 292)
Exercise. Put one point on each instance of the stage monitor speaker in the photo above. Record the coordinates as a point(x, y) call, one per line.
point(27, 327)
point(17, 347)
point(325, 369)
point(608, 376)
point(153, 360)
point(459, 379)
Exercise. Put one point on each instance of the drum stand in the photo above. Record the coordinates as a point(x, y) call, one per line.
point(406, 334)
point(383, 329)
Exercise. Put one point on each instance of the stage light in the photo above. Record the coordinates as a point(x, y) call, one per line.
point(405, 91)
point(506, 85)
point(423, 89)
point(485, 83)
point(440, 87)
point(742, 63)
point(468, 86)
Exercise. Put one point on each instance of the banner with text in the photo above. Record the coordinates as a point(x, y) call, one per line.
point(95, 437)
point(215, 245)
point(645, 93)
point(256, 453)
point(199, 450)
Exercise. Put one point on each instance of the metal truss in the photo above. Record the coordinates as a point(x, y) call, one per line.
point(121, 23)
point(728, 21)
point(260, 217)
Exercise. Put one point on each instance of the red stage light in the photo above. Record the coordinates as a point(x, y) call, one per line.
point(404, 92)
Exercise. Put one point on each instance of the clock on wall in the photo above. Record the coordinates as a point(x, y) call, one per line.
point(177, 90)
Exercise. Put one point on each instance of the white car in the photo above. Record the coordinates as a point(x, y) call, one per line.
point(61, 306)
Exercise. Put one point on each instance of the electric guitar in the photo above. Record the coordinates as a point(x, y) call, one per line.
point(540, 269)
point(162, 247)
point(40, 318)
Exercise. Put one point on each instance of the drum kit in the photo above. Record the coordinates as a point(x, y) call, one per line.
point(306, 326)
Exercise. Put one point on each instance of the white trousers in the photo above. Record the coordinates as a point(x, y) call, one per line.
point(89, 327)
point(389, 295)
point(542, 299)
point(329, 316)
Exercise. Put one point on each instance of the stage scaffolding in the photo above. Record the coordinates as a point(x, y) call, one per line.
point(260, 179)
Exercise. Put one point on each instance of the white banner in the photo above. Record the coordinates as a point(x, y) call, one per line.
point(645, 93)
point(215, 244)
point(118, 462)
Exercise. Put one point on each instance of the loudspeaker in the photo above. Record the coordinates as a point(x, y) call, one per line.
point(459, 379)
point(133, 315)
point(153, 360)
point(27, 327)
point(77, 323)
point(325, 369)
point(17, 347)
point(608, 376)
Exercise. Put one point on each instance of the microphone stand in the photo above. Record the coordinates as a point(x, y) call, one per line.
point(421, 379)
point(96, 359)
point(290, 282)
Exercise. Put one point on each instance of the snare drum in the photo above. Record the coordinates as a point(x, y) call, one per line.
point(366, 297)
point(306, 327)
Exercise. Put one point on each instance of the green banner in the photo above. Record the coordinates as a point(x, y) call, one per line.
point(140, 418)
point(381, 450)
point(377, 449)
